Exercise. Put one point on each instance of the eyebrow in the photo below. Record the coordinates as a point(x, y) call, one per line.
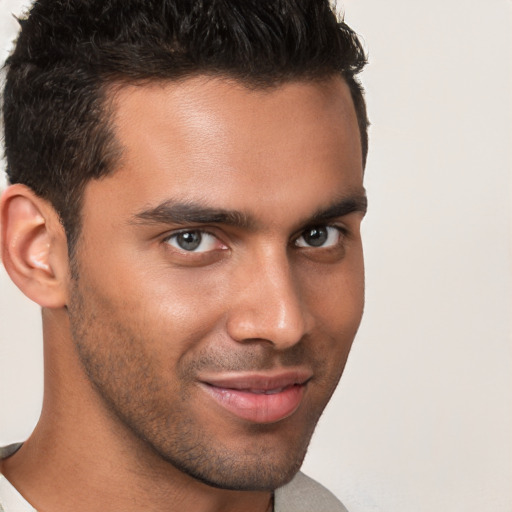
point(171, 212)
point(185, 213)
point(345, 206)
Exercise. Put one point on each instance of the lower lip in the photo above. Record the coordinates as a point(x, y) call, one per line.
point(255, 407)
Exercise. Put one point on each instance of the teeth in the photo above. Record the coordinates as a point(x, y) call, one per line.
point(274, 391)
point(266, 391)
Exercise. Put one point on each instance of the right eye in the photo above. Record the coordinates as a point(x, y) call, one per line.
point(194, 241)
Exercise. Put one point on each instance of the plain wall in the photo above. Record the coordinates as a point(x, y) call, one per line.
point(422, 420)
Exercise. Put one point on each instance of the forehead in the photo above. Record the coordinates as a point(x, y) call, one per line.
point(217, 141)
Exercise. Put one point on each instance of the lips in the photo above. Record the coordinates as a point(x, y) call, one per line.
point(258, 398)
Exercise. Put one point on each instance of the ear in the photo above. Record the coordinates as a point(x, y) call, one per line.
point(34, 246)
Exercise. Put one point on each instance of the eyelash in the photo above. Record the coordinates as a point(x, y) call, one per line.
point(201, 232)
point(342, 232)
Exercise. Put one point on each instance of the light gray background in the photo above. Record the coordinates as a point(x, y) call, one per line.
point(423, 418)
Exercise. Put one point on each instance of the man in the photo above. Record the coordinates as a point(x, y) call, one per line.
point(185, 201)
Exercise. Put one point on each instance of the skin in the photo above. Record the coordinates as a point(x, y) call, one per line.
point(133, 343)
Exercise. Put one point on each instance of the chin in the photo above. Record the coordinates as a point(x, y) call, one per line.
point(242, 477)
point(264, 462)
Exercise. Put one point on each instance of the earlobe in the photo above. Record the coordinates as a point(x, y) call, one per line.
point(34, 250)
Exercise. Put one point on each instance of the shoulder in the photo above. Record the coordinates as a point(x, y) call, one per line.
point(303, 494)
point(7, 451)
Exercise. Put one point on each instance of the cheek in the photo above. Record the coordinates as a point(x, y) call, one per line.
point(182, 306)
point(155, 297)
point(336, 300)
point(335, 295)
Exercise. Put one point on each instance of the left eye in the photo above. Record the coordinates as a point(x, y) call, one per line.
point(319, 236)
point(194, 241)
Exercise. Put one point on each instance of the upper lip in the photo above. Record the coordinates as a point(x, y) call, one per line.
point(258, 381)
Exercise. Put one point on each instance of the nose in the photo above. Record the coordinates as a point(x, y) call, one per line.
point(268, 305)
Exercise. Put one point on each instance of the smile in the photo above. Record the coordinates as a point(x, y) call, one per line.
point(258, 398)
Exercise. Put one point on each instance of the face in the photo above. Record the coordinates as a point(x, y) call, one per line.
point(220, 272)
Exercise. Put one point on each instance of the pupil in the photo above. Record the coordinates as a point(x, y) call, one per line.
point(316, 236)
point(189, 241)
